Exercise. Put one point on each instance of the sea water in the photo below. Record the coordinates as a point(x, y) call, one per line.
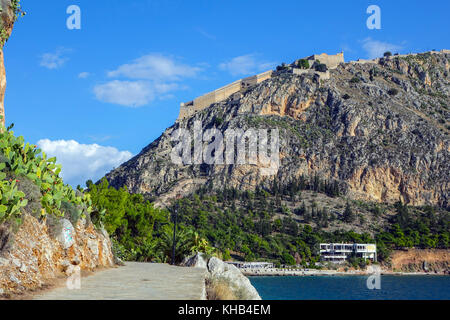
point(391, 287)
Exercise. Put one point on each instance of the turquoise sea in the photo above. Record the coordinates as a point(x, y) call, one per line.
point(392, 287)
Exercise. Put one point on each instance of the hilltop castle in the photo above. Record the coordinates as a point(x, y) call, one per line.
point(236, 88)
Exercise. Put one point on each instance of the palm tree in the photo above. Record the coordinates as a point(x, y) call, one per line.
point(182, 243)
point(187, 242)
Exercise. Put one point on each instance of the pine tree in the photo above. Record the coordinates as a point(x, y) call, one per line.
point(348, 215)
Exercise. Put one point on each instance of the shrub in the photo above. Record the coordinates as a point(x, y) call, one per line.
point(218, 121)
point(348, 215)
point(346, 96)
point(226, 255)
point(321, 67)
point(119, 250)
point(32, 194)
point(303, 64)
point(219, 289)
point(355, 80)
point(71, 212)
point(288, 259)
point(387, 54)
point(282, 67)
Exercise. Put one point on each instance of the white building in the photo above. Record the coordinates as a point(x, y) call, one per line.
point(252, 265)
point(339, 252)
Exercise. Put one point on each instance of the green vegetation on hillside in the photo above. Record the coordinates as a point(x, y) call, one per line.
point(140, 231)
point(257, 225)
point(424, 228)
point(245, 225)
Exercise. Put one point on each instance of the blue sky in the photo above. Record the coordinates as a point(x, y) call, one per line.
point(96, 96)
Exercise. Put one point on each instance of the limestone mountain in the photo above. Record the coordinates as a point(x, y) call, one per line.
point(378, 129)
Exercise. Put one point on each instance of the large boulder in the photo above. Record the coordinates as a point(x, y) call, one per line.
point(216, 266)
point(240, 285)
point(196, 261)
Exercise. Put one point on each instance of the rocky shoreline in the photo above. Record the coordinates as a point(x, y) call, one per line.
point(223, 281)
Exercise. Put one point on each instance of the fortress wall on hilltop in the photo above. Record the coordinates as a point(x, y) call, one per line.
point(221, 94)
point(204, 101)
point(332, 61)
point(224, 92)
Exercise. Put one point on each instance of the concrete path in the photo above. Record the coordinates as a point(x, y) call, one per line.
point(136, 281)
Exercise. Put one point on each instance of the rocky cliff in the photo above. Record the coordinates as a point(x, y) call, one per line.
point(40, 251)
point(7, 18)
point(380, 129)
point(417, 260)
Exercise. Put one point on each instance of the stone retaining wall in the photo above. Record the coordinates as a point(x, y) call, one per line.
point(38, 253)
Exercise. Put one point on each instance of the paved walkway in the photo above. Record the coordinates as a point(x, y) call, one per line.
point(136, 281)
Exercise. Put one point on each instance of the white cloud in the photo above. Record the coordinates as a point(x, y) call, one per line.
point(146, 78)
point(84, 75)
point(346, 48)
point(131, 93)
point(376, 49)
point(245, 65)
point(54, 60)
point(155, 67)
point(206, 34)
point(81, 162)
point(99, 138)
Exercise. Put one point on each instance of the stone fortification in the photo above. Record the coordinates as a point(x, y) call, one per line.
point(189, 108)
point(331, 61)
point(204, 101)
point(235, 89)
